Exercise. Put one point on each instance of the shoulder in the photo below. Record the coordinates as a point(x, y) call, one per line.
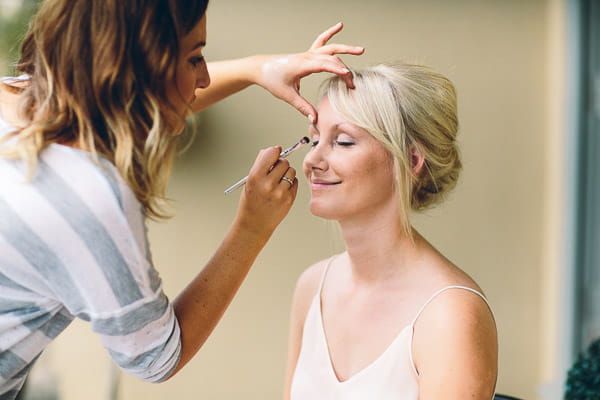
point(307, 287)
point(309, 280)
point(100, 194)
point(71, 189)
point(454, 304)
point(455, 339)
point(93, 179)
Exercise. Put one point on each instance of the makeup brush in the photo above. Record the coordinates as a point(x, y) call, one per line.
point(283, 154)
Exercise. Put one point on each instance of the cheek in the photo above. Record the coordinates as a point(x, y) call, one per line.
point(381, 173)
point(185, 82)
point(185, 78)
point(175, 90)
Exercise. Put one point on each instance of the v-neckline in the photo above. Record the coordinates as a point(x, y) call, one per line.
point(330, 359)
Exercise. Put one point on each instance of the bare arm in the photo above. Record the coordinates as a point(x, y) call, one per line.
point(279, 74)
point(455, 348)
point(264, 203)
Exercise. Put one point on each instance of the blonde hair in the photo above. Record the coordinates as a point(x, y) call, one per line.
point(99, 72)
point(406, 107)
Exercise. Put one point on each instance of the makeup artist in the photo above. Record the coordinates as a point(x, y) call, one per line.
point(87, 136)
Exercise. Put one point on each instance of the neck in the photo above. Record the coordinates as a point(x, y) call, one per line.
point(378, 247)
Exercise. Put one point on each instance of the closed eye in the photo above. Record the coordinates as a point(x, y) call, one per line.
point(195, 61)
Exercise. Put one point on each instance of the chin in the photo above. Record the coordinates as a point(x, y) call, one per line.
point(324, 212)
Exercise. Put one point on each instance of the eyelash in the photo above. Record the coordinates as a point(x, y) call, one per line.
point(195, 61)
point(344, 144)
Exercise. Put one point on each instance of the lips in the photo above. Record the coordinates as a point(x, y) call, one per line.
point(321, 183)
point(324, 181)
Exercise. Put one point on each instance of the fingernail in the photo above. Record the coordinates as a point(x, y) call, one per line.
point(311, 118)
point(345, 70)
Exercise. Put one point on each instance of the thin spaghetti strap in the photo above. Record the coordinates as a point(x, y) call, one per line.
point(433, 296)
point(324, 274)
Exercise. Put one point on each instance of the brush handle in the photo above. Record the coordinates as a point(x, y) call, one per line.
point(283, 154)
point(236, 185)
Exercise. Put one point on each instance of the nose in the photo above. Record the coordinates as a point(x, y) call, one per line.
point(315, 159)
point(203, 78)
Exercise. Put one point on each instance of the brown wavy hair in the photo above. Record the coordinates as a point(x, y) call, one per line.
point(99, 72)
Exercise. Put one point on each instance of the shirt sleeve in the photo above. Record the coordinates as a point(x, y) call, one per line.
point(108, 277)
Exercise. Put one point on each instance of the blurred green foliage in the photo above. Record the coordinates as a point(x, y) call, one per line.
point(583, 381)
point(13, 26)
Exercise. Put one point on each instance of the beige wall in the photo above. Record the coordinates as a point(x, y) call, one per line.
point(496, 225)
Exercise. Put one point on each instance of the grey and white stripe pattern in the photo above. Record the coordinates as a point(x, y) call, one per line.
point(73, 244)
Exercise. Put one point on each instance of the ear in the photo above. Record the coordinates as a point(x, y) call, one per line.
point(417, 160)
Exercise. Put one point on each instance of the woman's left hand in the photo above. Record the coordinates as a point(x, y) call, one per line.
point(281, 74)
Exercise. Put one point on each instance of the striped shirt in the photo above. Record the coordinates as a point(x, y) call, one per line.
point(73, 244)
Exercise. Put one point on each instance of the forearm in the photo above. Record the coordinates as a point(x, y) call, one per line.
point(264, 202)
point(279, 74)
point(227, 78)
point(202, 303)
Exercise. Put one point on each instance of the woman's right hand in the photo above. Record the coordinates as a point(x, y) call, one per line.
point(267, 196)
point(266, 200)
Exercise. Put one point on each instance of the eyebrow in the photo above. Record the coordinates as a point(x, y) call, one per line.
point(197, 45)
point(335, 127)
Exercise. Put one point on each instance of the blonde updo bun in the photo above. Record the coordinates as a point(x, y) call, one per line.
point(406, 107)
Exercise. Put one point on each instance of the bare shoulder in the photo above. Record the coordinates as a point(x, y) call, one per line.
point(458, 300)
point(455, 340)
point(455, 344)
point(308, 282)
point(307, 286)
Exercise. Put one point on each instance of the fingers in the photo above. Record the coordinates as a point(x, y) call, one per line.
point(281, 75)
point(264, 161)
point(349, 79)
point(336, 48)
point(324, 37)
point(322, 63)
point(279, 169)
point(332, 63)
point(284, 176)
point(288, 180)
point(301, 104)
point(320, 44)
point(272, 181)
point(268, 194)
point(270, 169)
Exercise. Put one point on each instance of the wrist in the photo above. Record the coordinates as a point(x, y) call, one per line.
point(253, 69)
point(251, 231)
